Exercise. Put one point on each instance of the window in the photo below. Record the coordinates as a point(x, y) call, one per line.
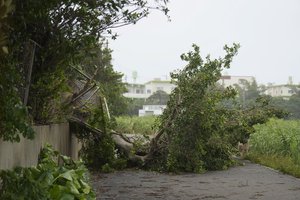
point(290, 92)
point(137, 91)
point(148, 91)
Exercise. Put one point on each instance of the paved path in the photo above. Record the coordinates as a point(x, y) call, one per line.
point(251, 181)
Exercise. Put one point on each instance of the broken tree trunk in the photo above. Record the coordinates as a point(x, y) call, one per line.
point(121, 142)
point(31, 45)
point(126, 146)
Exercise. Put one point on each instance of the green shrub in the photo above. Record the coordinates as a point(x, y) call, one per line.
point(98, 151)
point(138, 125)
point(47, 180)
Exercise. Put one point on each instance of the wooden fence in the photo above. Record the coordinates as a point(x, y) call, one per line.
point(25, 153)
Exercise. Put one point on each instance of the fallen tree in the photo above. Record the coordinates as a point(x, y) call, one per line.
point(197, 132)
point(190, 136)
point(85, 131)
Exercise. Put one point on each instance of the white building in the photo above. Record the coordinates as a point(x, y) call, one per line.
point(147, 89)
point(227, 80)
point(136, 91)
point(284, 91)
point(151, 110)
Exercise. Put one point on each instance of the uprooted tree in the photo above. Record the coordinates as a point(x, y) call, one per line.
point(191, 134)
point(197, 131)
point(44, 44)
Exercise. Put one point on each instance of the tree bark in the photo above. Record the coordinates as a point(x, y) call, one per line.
point(29, 64)
point(122, 143)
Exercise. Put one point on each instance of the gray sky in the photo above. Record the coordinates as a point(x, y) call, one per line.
point(268, 31)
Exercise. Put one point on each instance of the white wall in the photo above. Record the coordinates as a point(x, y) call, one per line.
point(147, 89)
point(232, 80)
point(154, 86)
point(279, 91)
point(25, 153)
point(151, 110)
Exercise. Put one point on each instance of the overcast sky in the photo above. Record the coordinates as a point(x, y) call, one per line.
point(267, 30)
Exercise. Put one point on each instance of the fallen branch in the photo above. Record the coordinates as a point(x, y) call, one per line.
point(122, 143)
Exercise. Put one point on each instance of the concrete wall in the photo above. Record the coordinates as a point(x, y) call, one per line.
point(25, 153)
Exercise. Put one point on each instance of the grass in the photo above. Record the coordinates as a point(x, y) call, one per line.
point(277, 137)
point(276, 144)
point(284, 164)
point(136, 125)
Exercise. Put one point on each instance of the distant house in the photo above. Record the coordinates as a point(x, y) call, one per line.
point(136, 91)
point(284, 91)
point(157, 84)
point(151, 110)
point(145, 90)
point(227, 80)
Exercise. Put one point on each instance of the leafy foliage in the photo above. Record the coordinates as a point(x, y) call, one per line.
point(5, 8)
point(108, 80)
point(63, 30)
point(63, 33)
point(47, 180)
point(248, 92)
point(98, 152)
point(192, 123)
point(13, 114)
point(98, 149)
point(133, 106)
point(158, 98)
point(240, 120)
point(292, 105)
point(277, 144)
point(277, 137)
point(136, 125)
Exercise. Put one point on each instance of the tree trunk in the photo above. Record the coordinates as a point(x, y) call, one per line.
point(28, 65)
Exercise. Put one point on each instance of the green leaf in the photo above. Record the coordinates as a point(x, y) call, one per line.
point(86, 188)
point(72, 188)
point(67, 175)
point(67, 197)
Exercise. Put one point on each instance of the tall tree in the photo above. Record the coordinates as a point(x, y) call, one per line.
point(49, 38)
point(13, 114)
